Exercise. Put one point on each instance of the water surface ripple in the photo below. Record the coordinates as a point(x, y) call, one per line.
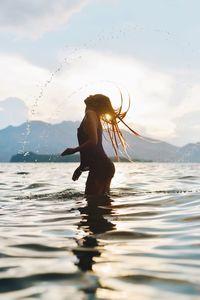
point(143, 241)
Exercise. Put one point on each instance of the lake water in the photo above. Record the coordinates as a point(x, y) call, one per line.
point(141, 243)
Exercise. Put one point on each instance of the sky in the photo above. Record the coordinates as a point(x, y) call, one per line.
point(55, 53)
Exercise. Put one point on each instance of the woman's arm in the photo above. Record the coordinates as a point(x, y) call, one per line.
point(77, 173)
point(91, 125)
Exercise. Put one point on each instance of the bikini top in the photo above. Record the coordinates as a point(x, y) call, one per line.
point(92, 154)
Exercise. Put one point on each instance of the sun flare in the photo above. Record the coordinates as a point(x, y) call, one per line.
point(108, 117)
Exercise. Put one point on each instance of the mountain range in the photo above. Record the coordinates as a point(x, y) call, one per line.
point(46, 139)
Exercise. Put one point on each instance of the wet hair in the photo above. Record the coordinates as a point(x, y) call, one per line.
point(100, 103)
point(110, 118)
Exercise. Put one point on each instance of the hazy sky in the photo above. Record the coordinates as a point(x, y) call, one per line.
point(55, 53)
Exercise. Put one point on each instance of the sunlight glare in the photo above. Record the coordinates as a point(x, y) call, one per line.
point(108, 117)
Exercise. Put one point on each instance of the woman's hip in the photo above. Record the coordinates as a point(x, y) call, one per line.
point(102, 169)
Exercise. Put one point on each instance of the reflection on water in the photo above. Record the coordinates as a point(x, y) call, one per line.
point(92, 223)
point(143, 241)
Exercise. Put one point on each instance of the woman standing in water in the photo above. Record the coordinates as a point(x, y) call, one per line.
point(101, 169)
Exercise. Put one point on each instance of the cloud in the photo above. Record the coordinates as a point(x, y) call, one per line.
point(33, 18)
point(150, 90)
point(19, 78)
point(156, 107)
point(13, 111)
point(190, 103)
point(187, 126)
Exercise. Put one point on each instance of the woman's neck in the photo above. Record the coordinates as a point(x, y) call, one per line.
point(91, 108)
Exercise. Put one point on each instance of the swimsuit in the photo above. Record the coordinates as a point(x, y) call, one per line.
point(94, 159)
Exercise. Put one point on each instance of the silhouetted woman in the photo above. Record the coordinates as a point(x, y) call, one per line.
point(101, 169)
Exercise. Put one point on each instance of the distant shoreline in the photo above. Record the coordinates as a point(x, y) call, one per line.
point(31, 157)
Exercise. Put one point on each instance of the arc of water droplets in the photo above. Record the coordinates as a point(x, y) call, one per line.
point(90, 43)
point(102, 36)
